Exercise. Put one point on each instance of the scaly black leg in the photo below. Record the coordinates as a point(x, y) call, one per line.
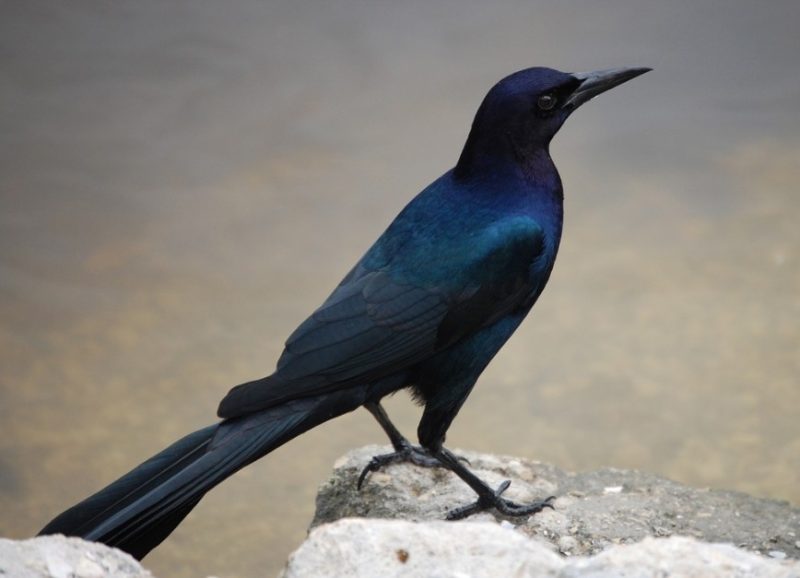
point(399, 441)
point(404, 450)
point(487, 497)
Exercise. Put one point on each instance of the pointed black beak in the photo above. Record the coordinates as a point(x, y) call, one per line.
point(593, 83)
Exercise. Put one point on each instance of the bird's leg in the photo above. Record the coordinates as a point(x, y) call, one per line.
point(399, 442)
point(487, 497)
point(404, 450)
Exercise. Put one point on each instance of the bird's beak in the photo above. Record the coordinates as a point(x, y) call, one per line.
point(593, 83)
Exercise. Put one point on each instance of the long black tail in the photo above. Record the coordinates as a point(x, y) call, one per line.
point(139, 510)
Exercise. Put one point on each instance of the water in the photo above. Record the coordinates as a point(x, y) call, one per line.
point(180, 185)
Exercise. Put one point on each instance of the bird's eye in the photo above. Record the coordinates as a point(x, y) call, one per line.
point(546, 102)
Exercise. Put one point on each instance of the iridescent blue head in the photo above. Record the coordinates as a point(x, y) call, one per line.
point(521, 113)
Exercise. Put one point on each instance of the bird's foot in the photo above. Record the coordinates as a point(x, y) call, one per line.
point(407, 452)
point(493, 499)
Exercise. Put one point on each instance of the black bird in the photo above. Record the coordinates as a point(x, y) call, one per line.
point(426, 308)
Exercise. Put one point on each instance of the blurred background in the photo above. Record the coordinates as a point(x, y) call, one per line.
point(181, 183)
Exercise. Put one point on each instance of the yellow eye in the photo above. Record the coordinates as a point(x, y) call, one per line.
point(546, 102)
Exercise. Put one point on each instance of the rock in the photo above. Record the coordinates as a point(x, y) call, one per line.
point(357, 548)
point(61, 557)
point(385, 548)
point(594, 510)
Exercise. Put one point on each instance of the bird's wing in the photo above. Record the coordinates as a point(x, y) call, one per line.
point(374, 325)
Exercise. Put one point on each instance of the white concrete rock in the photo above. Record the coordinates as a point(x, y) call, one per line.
point(61, 557)
point(677, 557)
point(360, 548)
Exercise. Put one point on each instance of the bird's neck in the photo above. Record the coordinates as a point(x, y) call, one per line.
point(501, 172)
point(500, 162)
point(504, 155)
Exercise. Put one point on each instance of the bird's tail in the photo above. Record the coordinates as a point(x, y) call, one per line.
point(139, 510)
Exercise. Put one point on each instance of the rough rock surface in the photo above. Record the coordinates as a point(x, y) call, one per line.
point(594, 510)
point(387, 548)
point(60, 557)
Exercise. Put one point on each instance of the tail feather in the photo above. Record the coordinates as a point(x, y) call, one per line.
point(82, 517)
point(143, 507)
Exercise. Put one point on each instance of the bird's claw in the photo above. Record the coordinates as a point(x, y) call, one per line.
point(413, 454)
point(494, 500)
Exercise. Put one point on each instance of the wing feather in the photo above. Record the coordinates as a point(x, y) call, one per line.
point(374, 325)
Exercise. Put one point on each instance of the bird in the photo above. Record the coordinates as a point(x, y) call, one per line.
point(425, 309)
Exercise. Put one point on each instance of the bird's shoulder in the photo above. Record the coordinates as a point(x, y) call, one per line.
point(446, 237)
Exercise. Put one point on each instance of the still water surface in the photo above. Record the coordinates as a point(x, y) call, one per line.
point(179, 188)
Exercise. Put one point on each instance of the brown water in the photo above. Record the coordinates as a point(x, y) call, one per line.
point(180, 184)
